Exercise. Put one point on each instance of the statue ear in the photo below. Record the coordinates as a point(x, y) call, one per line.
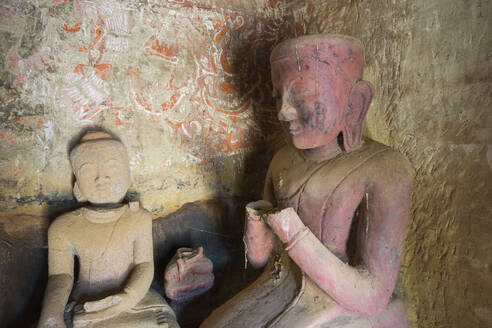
point(78, 194)
point(359, 101)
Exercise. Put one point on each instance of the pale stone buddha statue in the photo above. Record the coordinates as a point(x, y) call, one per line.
point(113, 244)
point(335, 211)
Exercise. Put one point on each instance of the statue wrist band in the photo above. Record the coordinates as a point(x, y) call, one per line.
point(297, 237)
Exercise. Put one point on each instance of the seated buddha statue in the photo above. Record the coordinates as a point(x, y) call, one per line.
point(332, 223)
point(112, 242)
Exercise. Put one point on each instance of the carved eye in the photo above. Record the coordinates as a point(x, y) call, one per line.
point(302, 87)
point(87, 169)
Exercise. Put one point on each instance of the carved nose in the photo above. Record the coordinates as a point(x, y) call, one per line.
point(287, 113)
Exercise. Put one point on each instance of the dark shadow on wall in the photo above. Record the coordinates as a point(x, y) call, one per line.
point(216, 225)
point(23, 268)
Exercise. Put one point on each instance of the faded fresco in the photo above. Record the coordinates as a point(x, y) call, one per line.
point(185, 86)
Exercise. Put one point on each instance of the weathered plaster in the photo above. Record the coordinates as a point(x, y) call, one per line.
point(186, 86)
point(431, 65)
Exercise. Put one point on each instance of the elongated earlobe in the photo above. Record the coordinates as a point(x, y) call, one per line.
point(359, 101)
point(78, 194)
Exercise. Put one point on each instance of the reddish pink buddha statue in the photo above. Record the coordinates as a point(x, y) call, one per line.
point(332, 224)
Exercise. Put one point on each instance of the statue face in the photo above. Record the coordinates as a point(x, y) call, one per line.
point(311, 103)
point(103, 174)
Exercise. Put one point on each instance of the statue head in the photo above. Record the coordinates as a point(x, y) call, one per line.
point(318, 86)
point(101, 168)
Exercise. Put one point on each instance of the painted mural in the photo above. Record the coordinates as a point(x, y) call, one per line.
point(182, 84)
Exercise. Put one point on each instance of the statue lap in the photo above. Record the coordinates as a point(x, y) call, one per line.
point(151, 312)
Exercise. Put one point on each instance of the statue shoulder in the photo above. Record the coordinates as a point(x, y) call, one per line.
point(139, 213)
point(388, 161)
point(65, 222)
point(283, 157)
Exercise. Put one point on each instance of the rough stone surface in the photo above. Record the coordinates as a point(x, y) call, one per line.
point(431, 64)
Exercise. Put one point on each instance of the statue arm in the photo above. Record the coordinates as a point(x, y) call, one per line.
point(60, 280)
point(140, 279)
point(364, 290)
point(258, 237)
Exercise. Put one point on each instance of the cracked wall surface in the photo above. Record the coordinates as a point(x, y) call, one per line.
point(431, 65)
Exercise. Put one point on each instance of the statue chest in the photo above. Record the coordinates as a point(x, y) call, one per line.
point(104, 251)
point(310, 196)
point(325, 195)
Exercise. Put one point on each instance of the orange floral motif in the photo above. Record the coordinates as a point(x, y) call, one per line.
point(98, 35)
point(161, 50)
point(71, 29)
point(212, 63)
point(225, 65)
point(221, 34)
point(167, 105)
point(79, 69)
point(121, 123)
point(227, 88)
point(103, 71)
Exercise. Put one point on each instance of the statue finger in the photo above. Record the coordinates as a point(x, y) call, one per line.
point(99, 305)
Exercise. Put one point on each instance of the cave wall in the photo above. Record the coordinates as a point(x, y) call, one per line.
point(431, 64)
point(184, 84)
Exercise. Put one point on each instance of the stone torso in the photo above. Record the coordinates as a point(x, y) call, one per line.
point(326, 194)
point(105, 247)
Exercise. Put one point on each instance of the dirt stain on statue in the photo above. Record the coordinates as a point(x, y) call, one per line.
point(319, 121)
point(304, 112)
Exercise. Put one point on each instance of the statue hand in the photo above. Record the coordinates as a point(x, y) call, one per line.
point(258, 237)
point(106, 308)
point(255, 211)
point(99, 305)
point(285, 223)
